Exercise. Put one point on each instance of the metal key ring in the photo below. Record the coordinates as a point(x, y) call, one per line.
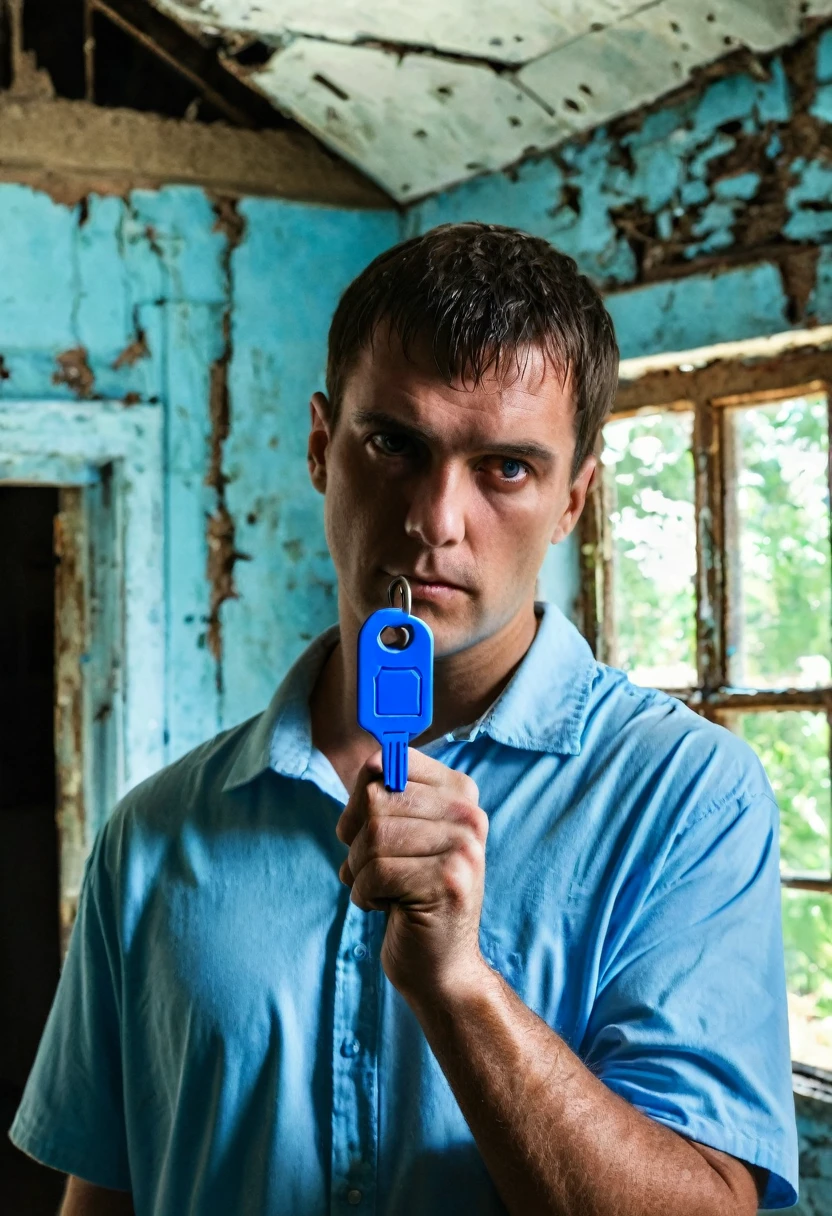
point(403, 586)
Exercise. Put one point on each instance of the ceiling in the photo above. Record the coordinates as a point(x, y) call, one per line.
point(421, 95)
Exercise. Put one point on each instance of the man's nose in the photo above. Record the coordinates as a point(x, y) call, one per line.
point(436, 515)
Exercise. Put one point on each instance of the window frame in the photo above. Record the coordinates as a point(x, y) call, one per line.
point(708, 391)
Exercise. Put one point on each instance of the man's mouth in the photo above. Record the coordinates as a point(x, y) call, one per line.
point(427, 586)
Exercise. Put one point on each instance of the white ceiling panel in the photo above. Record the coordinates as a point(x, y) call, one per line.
point(497, 30)
point(646, 54)
point(414, 123)
point(616, 68)
point(421, 94)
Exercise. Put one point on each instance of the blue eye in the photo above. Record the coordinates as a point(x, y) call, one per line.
point(512, 469)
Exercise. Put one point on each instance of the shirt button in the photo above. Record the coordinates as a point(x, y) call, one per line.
point(353, 1197)
point(349, 1048)
point(359, 951)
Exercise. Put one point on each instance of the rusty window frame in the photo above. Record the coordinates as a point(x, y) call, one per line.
point(709, 392)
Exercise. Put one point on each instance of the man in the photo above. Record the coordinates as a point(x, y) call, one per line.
point(548, 977)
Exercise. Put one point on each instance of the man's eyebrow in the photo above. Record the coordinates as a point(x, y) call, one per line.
point(388, 422)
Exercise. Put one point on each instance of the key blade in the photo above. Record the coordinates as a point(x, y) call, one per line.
point(394, 760)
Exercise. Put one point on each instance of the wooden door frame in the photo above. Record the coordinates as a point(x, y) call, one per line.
point(107, 461)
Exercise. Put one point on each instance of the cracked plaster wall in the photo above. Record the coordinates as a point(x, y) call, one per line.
point(219, 313)
point(735, 174)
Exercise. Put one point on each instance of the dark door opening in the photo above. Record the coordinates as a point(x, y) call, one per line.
point(29, 875)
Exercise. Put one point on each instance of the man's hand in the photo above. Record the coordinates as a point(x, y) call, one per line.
point(420, 855)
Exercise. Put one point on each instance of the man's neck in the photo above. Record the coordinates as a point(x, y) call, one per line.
point(465, 685)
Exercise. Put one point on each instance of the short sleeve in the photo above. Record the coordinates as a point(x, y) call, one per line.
point(71, 1116)
point(690, 1022)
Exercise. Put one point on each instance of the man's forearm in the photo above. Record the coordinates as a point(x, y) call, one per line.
point(553, 1137)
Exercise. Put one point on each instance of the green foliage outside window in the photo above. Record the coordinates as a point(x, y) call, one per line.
point(785, 603)
point(650, 478)
point(784, 544)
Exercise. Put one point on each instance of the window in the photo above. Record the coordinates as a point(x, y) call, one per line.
point(707, 572)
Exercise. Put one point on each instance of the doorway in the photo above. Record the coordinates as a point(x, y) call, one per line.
point(30, 938)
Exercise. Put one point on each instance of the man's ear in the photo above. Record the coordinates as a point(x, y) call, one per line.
point(319, 436)
point(577, 499)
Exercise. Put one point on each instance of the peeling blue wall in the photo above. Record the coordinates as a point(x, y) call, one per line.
point(288, 274)
point(743, 167)
point(162, 280)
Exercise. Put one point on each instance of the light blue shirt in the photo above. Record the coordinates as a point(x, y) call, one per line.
point(223, 1039)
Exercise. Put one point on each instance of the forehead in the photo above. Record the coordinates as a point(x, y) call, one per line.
point(526, 393)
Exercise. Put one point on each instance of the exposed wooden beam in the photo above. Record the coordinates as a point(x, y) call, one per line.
point(70, 148)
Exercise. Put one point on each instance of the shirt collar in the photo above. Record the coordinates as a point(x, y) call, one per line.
point(542, 708)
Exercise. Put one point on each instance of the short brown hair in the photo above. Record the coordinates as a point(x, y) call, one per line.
point(482, 292)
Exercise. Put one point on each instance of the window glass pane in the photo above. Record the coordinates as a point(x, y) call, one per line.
point(807, 938)
point(794, 748)
point(650, 487)
point(780, 591)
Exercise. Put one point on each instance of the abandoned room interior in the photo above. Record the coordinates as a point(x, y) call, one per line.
point(186, 189)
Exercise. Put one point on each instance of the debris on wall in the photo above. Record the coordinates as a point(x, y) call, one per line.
point(75, 371)
point(222, 552)
point(28, 80)
point(135, 350)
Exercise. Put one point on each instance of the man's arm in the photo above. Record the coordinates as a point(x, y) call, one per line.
point(553, 1137)
point(84, 1199)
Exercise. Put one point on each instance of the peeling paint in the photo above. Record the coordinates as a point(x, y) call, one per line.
point(71, 640)
point(222, 552)
point(133, 351)
point(737, 170)
point(75, 371)
point(222, 557)
point(799, 275)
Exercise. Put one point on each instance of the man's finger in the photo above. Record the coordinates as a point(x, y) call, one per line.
point(397, 878)
point(416, 803)
point(351, 817)
point(427, 770)
point(396, 836)
point(422, 771)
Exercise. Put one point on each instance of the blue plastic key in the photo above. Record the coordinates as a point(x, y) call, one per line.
point(395, 686)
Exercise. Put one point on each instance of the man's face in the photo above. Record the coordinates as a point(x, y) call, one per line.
point(451, 484)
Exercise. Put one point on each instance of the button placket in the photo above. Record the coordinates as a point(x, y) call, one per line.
point(355, 1065)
